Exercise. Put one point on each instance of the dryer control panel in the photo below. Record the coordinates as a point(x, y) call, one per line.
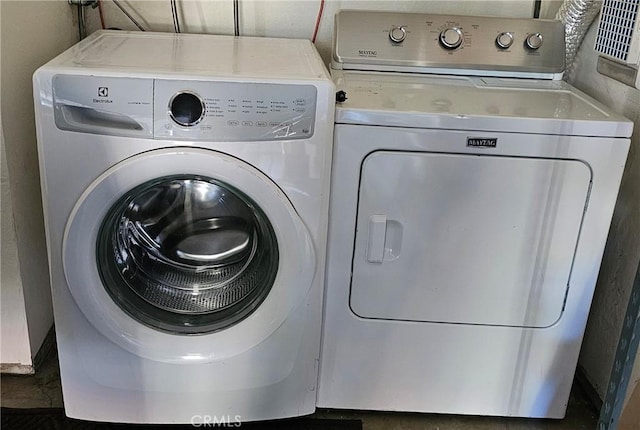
point(211, 111)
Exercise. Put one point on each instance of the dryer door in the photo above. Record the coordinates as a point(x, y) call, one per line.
point(466, 239)
point(182, 242)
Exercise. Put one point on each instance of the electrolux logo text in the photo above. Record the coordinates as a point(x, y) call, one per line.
point(216, 421)
point(103, 92)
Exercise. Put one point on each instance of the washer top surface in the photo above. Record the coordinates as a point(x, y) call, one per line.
point(194, 54)
point(473, 103)
point(461, 72)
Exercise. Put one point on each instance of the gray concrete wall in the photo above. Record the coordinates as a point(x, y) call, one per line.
point(622, 253)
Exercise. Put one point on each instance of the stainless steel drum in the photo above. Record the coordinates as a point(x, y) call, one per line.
point(187, 254)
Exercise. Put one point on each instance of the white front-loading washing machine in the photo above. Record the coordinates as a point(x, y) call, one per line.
point(185, 184)
point(472, 195)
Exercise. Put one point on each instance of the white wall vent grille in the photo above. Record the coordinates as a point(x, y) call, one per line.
point(618, 36)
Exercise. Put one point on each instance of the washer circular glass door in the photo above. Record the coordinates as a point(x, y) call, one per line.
point(186, 241)
point(187, 254)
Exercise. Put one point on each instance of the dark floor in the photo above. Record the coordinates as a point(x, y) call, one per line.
point(42, 390)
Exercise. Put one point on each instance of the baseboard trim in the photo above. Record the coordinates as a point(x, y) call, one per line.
point(48, 347)
point(17, 369)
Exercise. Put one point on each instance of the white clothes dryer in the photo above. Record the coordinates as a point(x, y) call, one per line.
point(185, 184)
point(472, 195)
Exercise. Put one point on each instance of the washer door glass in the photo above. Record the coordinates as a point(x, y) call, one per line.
point(187, 254)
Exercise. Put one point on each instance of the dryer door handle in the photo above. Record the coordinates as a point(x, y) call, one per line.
point(376, 239)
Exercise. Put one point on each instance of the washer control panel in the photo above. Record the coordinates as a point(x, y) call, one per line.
point(212, 111)
point(233, 111)
point(403, 41)
point(451, 38)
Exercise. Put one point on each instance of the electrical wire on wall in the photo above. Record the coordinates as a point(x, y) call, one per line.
point(236, 17)
point(174, 14)
point(318, 19)
point(131, 18)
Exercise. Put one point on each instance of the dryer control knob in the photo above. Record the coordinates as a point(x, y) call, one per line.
point(186, 109)
point(504, 40)
point(397, 34)
point(533, 41)
point(451, 38)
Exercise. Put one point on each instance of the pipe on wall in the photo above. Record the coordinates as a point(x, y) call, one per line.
point(577, 16)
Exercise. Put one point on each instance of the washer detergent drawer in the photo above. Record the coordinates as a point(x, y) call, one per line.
point(465, 238)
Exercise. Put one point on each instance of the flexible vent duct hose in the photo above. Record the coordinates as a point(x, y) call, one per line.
point(577, 16)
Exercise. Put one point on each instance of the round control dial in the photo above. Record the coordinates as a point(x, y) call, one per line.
point(451, 38)
point(533, 41)
point(504, 40)
point(186, 109)
point(397, 34)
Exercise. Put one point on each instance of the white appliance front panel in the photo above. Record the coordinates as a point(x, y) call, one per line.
point(105, 382)
point(466, 239)
point(400, 365)
point(292, 284)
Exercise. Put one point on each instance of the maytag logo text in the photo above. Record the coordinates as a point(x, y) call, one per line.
point(367, 53)
point(482, 142)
